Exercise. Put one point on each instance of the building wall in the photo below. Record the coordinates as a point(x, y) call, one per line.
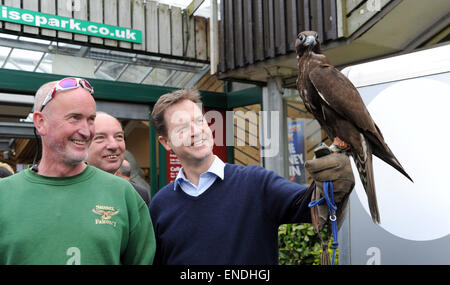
point(166, 31)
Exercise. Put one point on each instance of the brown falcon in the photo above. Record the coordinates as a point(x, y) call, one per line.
point(340, 111)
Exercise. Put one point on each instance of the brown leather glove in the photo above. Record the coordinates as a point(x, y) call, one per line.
point(336, 168)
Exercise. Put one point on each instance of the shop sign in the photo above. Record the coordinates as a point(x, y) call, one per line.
point(296, 146)
point(48, 21)
point(173, 166)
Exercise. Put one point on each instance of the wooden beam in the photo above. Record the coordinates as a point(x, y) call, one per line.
point(191, 8)
point(214, 37)
point(363, 14)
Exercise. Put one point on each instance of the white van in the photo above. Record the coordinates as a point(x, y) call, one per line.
point(408, 96)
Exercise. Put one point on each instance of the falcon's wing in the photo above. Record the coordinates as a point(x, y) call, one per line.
point(341, 96)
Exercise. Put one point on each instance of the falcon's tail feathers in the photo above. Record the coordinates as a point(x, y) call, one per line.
point(365, 169)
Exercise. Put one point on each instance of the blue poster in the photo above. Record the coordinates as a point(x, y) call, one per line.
point(296, 146)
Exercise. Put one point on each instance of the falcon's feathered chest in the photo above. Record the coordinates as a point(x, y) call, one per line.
point(307, 63)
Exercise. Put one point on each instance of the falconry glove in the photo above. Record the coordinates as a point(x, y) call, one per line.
point(336, 168)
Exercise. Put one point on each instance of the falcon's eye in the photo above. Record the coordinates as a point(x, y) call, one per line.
point(302, 37)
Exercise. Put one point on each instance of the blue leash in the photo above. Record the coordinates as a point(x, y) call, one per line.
point(329, 199)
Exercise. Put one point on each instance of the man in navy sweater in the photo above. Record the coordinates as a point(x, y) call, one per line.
point(215, 212)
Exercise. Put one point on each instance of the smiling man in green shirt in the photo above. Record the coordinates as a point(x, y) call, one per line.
point(64, 211)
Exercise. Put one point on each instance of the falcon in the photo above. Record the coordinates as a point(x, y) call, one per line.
point(336, 104)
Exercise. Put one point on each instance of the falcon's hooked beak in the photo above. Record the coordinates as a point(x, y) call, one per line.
point(307, 41)
point(310, 40)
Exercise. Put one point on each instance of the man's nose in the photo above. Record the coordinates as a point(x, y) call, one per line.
point(112, 143)
point(196, 129)
point(85, 129)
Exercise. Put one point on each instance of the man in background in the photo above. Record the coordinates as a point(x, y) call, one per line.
point(136, 173)
point(5, 170)
point(107, 150)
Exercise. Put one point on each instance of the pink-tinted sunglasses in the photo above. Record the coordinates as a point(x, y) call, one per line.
point(67, 84)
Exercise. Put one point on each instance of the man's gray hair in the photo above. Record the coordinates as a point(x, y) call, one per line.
point(42, 92)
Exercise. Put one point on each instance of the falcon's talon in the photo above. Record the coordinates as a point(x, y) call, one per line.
point(340, 143)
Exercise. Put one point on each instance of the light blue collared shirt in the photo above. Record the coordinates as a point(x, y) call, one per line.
point(216, 169)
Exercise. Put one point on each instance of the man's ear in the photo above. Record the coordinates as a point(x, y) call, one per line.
point(164, 142)
point(39, 123)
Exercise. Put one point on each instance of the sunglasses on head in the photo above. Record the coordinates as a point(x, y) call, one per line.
point(67, 84)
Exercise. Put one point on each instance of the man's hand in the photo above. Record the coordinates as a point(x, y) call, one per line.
point(336, 168)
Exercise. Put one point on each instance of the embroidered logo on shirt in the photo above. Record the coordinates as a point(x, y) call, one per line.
point(106, 213)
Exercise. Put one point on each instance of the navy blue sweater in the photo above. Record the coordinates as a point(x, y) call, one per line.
point(235, 221)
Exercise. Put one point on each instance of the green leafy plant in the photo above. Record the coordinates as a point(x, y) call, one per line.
point(300, 245)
